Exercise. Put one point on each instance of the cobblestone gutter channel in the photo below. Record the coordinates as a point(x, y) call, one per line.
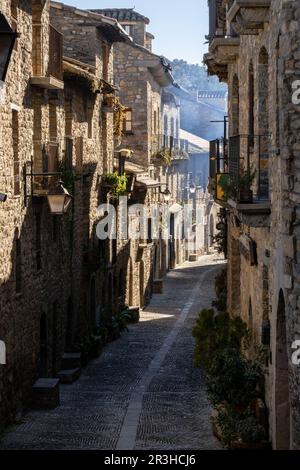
point(143, 392)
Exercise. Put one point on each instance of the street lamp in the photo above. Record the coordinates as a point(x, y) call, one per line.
point(59, 199)
point(166, 195)
point(192, 188)
point(7, 41)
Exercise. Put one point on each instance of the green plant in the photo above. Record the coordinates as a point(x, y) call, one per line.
point(233, 379)
point(231, 186)
point(234, 427)
point(215, 332)
point(250, 431)
point(162, 157)
point(221, 291)
point(116, 183)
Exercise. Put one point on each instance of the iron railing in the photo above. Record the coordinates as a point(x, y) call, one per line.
point(177, 147)
point(249, 155)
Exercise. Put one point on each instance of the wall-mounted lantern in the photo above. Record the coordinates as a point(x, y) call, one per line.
point(3, 197)
point(7, 41)
point(59, 199)
point(48, 185)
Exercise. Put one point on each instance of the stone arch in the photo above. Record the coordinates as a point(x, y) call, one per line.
point(235, 106)
point(282, 398)
point(263, 122)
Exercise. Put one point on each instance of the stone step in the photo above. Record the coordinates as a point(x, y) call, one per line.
point(69, 376)
point(45, 393)
point(71, 361)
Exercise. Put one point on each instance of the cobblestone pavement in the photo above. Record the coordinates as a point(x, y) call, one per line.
point(143, 392)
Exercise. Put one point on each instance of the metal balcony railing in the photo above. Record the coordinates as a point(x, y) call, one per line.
point(249, 155)
point(177, 147)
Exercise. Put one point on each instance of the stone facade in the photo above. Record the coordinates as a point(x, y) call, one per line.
point(52, 279)
point(261, 64)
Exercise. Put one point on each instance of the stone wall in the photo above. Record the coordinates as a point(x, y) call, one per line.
point(271, 285)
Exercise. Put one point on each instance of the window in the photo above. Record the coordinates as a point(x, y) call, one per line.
point(251, 99)
point(18, 266)
point(128, 120)
point(149, 230)
point(15, 139)
point(128, 29)
point(105, 57)
point(38, 241)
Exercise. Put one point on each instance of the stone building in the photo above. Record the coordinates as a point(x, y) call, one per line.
point(51, 119)
point(254, 47)
point(152, 122)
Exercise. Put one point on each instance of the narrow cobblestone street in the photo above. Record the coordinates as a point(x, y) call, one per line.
point(144, 391)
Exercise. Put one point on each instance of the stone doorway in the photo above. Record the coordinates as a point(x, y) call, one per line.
point(282, 394)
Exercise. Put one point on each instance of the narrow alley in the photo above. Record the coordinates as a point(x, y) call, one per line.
point(143, 392)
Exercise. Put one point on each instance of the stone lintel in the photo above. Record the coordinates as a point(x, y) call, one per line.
point(49, 83)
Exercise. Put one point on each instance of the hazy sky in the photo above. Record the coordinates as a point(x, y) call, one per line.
point(179, 26)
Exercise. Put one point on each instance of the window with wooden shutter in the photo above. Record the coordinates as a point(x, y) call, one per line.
point(127, 125)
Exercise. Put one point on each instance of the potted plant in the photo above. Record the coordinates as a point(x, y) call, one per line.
point(245, 193)
point(162, 157)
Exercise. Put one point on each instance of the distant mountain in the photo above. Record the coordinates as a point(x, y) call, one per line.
point(194, 77)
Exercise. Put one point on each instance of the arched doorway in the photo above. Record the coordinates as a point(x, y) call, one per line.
point(43, 362)
point(142, 284)
point(282, 398)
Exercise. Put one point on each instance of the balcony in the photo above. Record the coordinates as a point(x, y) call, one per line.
point(172, 148)
point(248, 16)
point(47, 74)
point(248, 169)
point(222, 51)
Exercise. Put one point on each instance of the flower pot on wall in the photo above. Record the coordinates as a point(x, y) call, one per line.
point(245, 196)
